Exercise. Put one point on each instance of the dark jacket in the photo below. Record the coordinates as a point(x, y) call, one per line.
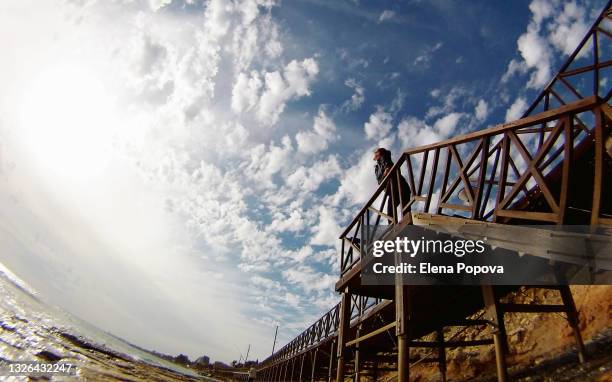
point(382, 164)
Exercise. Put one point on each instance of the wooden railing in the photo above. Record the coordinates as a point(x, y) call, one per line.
point(492, 175)
point(324, 328)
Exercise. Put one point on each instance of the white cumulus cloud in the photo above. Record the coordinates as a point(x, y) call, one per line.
point(279, 88)
point(447, 124)
point(568, 28)
point(554, 27)
point(379, 124)
point(357, 98)
point(482, 110)
point(323, 132)
point(414, 132)
point(327, 230)
point(245, 93)
point(517, 109)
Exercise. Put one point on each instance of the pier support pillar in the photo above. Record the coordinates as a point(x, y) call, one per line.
point(403, 360)
point(314, 364)
point(330, 372)
point(357, 358)
point(286, 366)
point(441, 353)
point(345, 318)
point(301, 367)
point(495, 315)
point(402, 325)
point(572, 318)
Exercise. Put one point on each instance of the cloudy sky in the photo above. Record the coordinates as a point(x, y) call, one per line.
point(176, 172)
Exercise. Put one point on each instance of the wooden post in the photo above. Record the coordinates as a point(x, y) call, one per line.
point(402, 311)
point(501, 188)
point(441, 353)
point(286, 366)
point(403, 361)
point(301, 367)
point(274, 373)
point(499, 333)
point(356, 360)
point(572, 318)
point(345, 318)
point(598, 172)
point(331, 362)
point(292, 369)
point(568, 151)
point(314, 365)
point(401, 330)
point(375, 369)
point(444, 180)
point(484, 157)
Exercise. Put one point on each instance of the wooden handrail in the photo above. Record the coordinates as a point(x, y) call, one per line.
point(543, 117)
point(549, 115)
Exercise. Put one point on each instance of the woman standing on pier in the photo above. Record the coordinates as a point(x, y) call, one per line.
point(384, 163)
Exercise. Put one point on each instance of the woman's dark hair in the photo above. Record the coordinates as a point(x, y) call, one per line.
point(384, 153)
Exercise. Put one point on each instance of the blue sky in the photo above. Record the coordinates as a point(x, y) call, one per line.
point(177, 172)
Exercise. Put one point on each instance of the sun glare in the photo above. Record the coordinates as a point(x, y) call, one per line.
point(66, 122)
